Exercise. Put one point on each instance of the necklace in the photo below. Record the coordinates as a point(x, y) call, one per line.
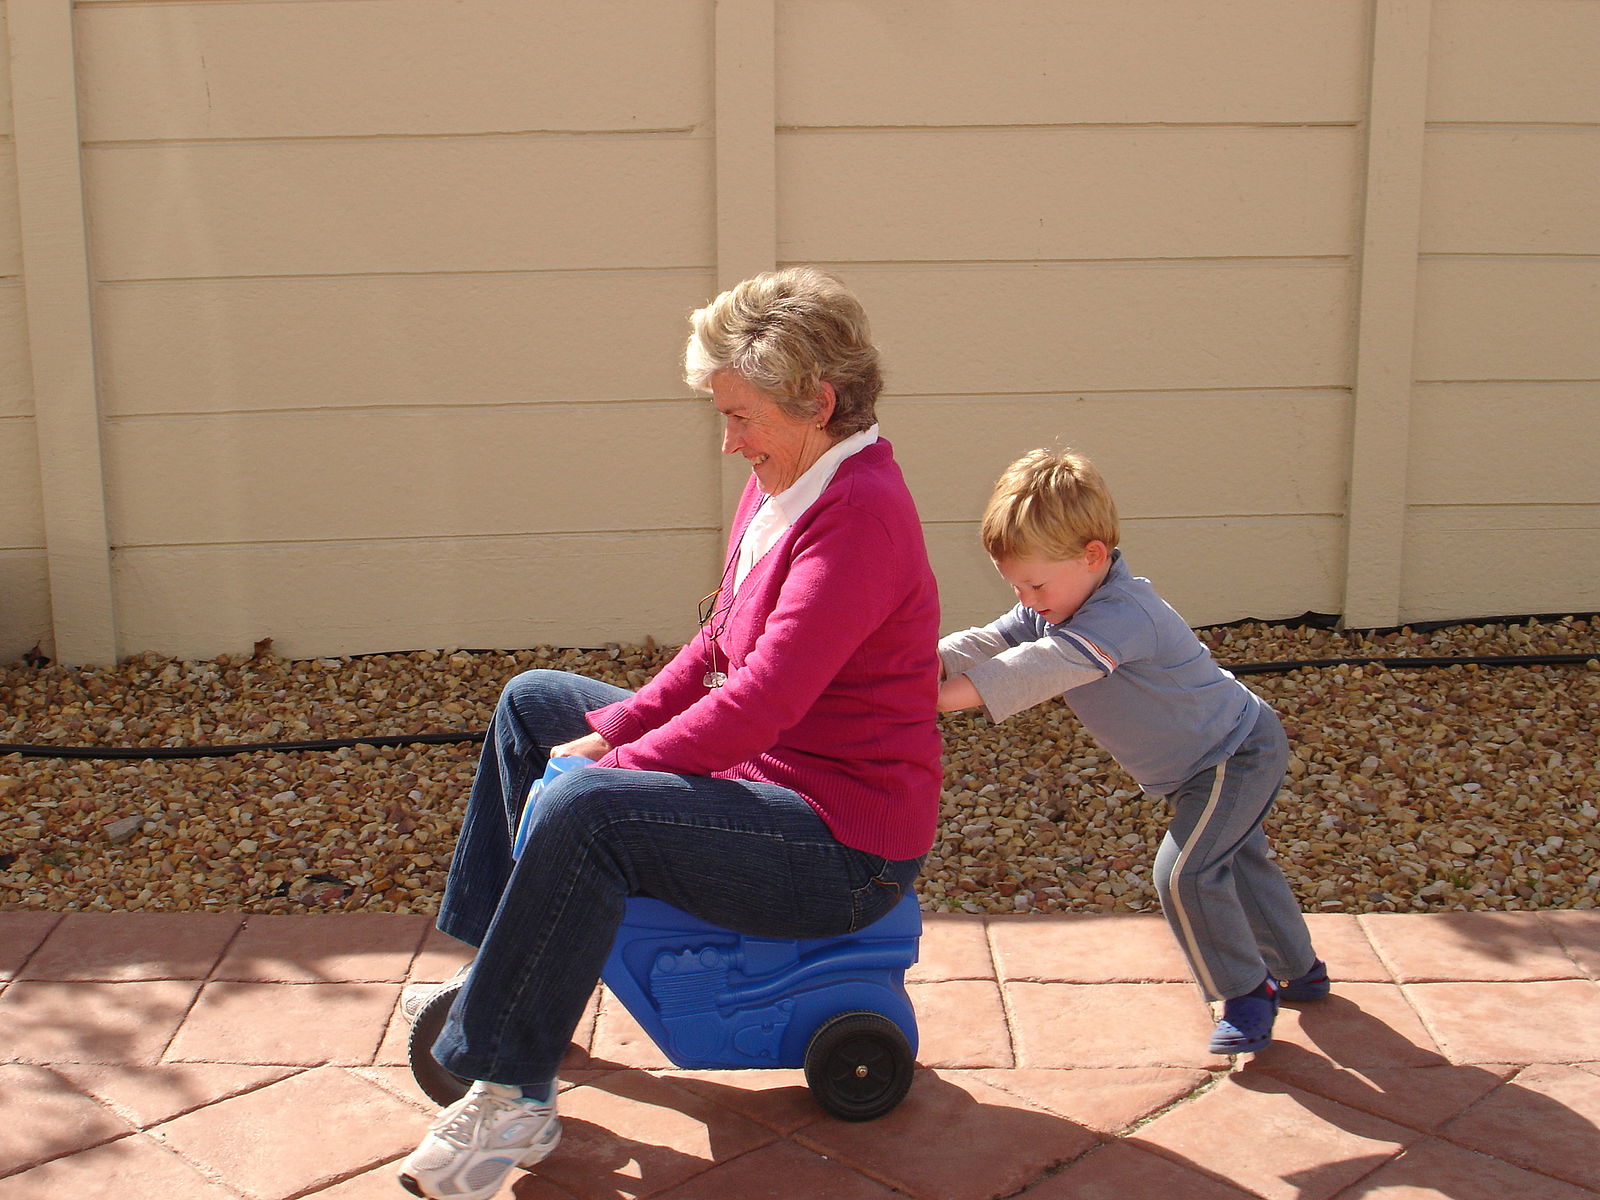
point(714, 615)
point(713, 678)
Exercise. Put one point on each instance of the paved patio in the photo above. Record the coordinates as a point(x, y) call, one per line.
point(214, 1056)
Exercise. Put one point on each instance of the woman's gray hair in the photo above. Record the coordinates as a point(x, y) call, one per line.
point(787, 332)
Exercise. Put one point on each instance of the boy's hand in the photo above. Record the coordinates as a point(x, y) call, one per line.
point(958, 693)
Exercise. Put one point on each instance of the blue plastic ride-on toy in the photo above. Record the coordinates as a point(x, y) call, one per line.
point(711, 998)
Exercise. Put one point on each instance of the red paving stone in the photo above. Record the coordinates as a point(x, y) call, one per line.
point(313, 1129)
point(780, 1171)
point(1362, 1025)
point(630, 1133)
point(1122, 1171)
point(1342, 943)
point(294, 1023)
point(92, 1022)
point(1578, 931)
point(1545, 1119)
point(129, 946)
point(21, 934)
point(1299, 1147)
point(1106, 1099)
point(46, 1117)
point(139, 1165)
point(147, 1096)
point(324, 948)
point(954, 1137)
point(954, 946)
point(1087, 948)
point(1489, 946)
point(1435, 1169)
point(961, 1023)
point(1546, 1022)
point(439, 958)
point(1423, 1098)
point(1110, 1025)
point(210, 1057)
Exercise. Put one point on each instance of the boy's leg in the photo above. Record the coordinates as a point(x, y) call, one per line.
point(752, 857)
point(1269, 903)
point(1273, 910)
point(1227, 903)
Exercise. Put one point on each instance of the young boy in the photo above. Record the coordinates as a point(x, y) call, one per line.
point(1148, 691)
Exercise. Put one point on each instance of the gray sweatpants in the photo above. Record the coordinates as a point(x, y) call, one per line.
point(1228, 904)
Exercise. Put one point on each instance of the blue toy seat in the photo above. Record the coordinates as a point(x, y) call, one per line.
point(711, 998)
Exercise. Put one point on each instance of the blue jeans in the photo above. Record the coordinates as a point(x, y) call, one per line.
point(752, 857)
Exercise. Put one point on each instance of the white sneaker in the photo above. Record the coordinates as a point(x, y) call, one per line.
point(414, 998)
point(472, 1146)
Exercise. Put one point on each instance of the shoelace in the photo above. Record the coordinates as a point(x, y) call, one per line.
point(457, 1125)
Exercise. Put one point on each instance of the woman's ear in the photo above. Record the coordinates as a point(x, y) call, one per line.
point(827, 399)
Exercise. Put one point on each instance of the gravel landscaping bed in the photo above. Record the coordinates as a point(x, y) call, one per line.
point(1411, 789)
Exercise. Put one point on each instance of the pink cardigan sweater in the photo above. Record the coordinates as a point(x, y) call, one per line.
point(833, 672)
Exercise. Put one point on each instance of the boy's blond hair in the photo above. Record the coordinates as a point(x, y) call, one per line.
point(1048, 504)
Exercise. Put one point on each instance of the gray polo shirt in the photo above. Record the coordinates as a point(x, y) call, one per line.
point(1129, 666)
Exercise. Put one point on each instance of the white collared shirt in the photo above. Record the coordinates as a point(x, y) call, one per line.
point(779, 512)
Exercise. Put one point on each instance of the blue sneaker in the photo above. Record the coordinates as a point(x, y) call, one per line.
point(1313, 985)
point(1246, 1025)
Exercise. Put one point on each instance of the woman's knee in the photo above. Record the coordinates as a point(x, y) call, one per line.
point(538, 681)
point(572, 804)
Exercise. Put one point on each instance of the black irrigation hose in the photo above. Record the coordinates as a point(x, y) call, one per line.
point(1404, 662)
point(404, 739)
point(443, 739)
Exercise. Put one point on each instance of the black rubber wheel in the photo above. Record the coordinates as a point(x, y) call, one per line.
point(859, 1065)
point(442, 1087)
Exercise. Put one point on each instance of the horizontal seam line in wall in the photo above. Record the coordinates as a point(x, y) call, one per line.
point(904, 264)
point(1200, 519)
point(447, 410)
point(1064, 393)
point(412, 539)
point(127, 4)
point(322, 138)
point(1504, 504)
point(1499, 126)
point(1493, 382)
point(1058, 126)
point(136, 281)
point(1343, 390)
point(427, 410)
point(1481, 255)
point(911, 264)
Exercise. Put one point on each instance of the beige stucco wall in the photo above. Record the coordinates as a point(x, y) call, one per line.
point(24, 578)
point(387, 298)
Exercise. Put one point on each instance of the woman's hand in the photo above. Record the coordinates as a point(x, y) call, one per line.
point(591, 746)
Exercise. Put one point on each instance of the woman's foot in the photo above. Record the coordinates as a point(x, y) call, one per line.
point(415, 997)
point(1246, 1025)
point(473, 1145)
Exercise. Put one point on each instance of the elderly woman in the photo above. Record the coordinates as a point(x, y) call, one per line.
point(779, 777)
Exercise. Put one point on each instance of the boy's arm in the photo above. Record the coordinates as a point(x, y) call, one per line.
point(968, 647)
point(957, 692)
point(1021, 676)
